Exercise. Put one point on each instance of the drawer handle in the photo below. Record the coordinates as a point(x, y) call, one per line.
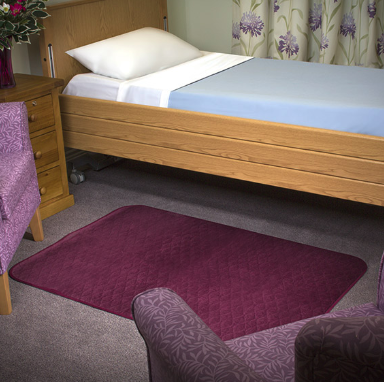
point(38, 154)
point(34, 103)
point(32, 118)
point(43, 191)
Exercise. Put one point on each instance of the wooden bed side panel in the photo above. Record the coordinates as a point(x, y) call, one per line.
point(305, 138)
point(303, 160)
point(276, 176)
point(77, 23)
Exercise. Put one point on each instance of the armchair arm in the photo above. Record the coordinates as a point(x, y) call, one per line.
point(180, 345)
point(341, 349)
point(14, 131)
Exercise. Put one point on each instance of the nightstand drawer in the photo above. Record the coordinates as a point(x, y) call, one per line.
point(45, 149)
point(50, 184)
point(40, 113)
point(41, 96)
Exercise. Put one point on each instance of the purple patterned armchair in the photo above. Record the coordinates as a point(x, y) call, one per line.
point(346, 345)
point(19, 190)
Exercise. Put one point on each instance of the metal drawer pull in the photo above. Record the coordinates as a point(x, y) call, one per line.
point(38, 154)
point(34, 103)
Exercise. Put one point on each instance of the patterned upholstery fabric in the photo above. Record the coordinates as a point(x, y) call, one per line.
point(17, 170)
point(380, 289)
point(271, 352)
point(180, 345)
point(19, 190)
point(346, 349)
point(14, 133)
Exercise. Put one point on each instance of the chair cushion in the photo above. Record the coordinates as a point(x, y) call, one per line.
point(16, 171)
point(271, 353)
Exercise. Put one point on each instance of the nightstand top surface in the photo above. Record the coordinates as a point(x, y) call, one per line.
point(28, 86)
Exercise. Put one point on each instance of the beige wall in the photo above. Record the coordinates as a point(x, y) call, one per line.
point(204, 23)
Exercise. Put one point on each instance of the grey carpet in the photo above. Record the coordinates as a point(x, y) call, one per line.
point(50, 338)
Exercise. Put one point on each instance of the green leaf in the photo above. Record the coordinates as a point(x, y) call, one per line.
point(33, 28)
point(285, 19)
point(7, 43)
point(41, 5)
point(256, 46)
point(335, 11)
point(24, 38)
point(22, 29)
point(303, 33)
point(300, 12)
point(31, 21)
point(363, 52)
point(278, 51)
point(9, 26)
point(343, 50)
point(40, 14)
point(316, 39)
point(243, 45)
point(332, 26)
point(255, 6)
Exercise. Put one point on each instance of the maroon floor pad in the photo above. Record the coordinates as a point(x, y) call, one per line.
point(238, 281)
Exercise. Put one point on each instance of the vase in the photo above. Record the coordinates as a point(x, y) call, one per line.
point(7, 80)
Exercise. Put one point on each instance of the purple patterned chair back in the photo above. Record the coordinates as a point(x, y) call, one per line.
point(180, 346)
point(14, 132)
point(380, 287)
point(19, 190)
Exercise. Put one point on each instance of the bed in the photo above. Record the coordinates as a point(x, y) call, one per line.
point(334, 163)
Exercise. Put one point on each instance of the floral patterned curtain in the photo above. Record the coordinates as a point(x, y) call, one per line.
point(343, 32)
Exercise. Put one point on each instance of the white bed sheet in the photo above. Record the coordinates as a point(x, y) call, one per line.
point(153, 89)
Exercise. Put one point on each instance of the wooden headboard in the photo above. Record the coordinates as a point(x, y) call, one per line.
point(77, 23)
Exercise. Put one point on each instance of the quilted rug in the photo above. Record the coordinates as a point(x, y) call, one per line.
point(237, 281)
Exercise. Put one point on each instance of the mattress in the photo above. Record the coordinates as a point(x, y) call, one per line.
point(324, 96)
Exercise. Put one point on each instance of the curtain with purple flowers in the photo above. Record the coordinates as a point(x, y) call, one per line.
point(343, 32)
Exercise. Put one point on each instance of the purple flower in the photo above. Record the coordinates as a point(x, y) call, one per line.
point(315, 17)
point(380, 45)
point(236, 31)
point(348, 25)
point(276, 7)
point(324, 42)
point(288, 44)
point(372, 9)
point(251, 23)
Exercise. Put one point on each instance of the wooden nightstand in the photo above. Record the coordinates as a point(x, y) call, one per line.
point(41, 97)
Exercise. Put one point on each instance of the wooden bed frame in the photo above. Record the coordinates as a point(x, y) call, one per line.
point(325, 162)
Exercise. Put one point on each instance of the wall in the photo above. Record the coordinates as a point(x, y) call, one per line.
point(206, 24)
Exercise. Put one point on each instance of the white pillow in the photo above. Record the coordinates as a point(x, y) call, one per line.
point(135, 54)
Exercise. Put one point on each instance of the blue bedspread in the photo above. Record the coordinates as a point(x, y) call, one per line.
point(308, 94)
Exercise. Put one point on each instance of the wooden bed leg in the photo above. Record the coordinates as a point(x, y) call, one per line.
point(5, 295)
point(37, 226)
